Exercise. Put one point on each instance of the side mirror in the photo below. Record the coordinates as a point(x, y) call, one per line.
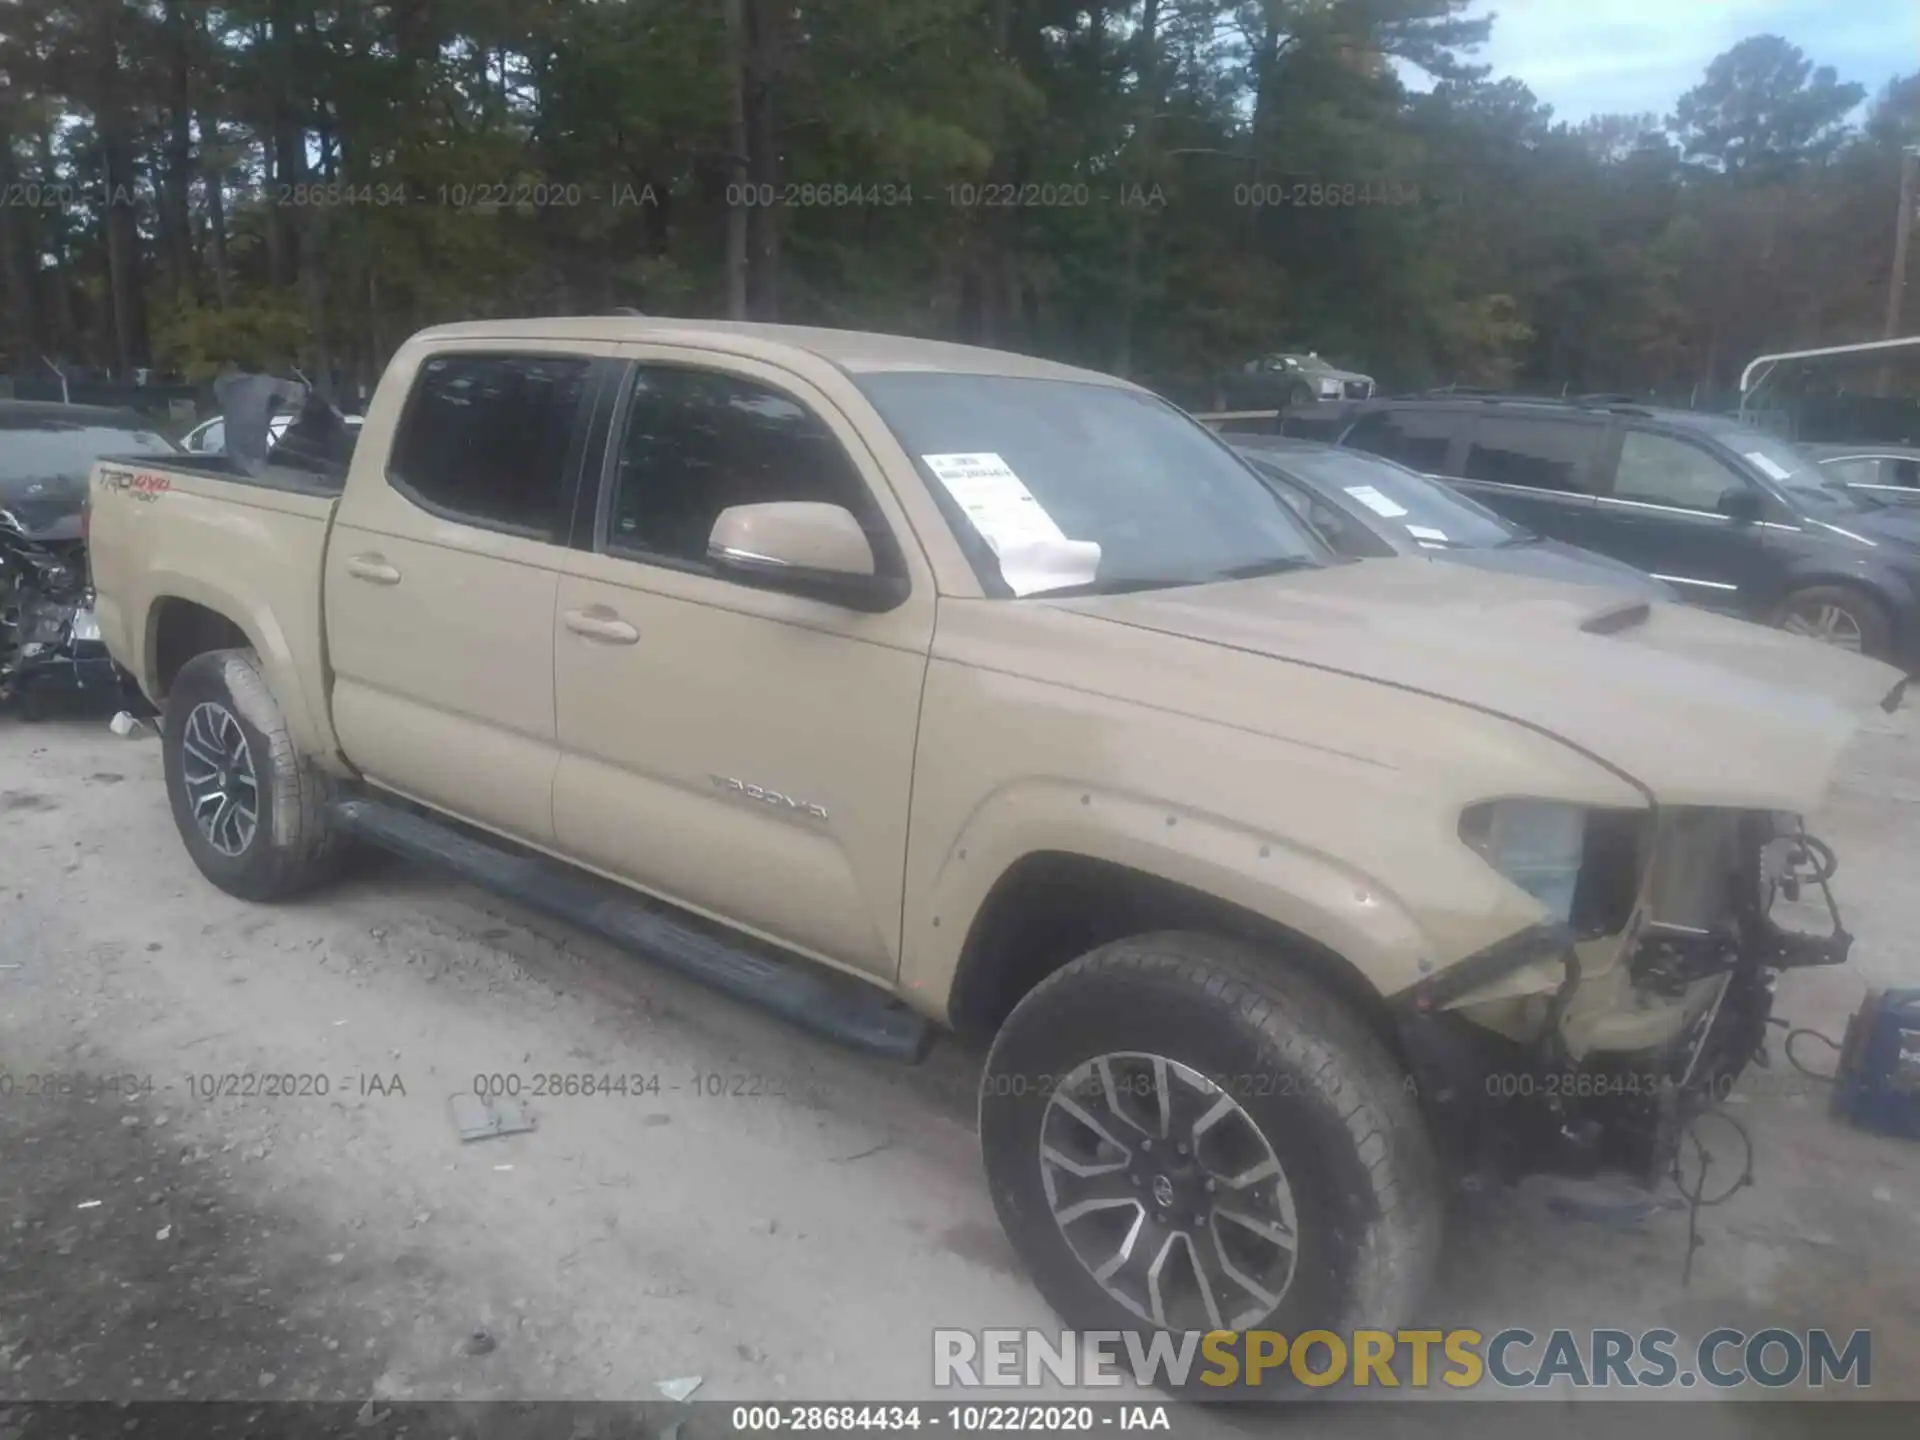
point(805, 547)
point(1740, 505)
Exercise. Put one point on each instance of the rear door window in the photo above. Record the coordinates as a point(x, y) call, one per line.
point(1535, 454)
point(491, 440)
point(1418, 439)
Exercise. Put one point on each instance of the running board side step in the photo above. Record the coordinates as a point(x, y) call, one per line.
point(840, 1008)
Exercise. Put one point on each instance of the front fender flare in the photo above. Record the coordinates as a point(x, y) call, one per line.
point(1348, 913)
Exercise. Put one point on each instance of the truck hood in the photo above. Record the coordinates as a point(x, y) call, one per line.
point(1695, 708)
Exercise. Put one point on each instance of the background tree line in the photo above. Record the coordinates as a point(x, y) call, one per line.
point(1159, 187)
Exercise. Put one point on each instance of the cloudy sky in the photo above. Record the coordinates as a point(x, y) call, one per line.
point(1584, 57)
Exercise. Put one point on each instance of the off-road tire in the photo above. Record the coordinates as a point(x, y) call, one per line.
point(1337, 1111)
point(293, 846)
point(1875, 625)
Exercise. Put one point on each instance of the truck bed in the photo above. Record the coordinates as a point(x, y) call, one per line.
point(168, 536)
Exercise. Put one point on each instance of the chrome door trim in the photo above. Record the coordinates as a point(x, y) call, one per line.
point(1511, 488)
point(1687, 580)
point(1663, 509)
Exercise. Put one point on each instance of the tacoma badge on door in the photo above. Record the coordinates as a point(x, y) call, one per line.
point(770, 797)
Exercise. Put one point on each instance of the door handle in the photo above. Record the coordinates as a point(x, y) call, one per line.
point(372, 567)
point(600, 623)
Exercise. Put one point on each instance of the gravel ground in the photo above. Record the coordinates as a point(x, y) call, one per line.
point(761, 1210)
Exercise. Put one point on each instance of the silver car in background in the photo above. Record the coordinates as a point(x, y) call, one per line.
point(209, 437)
point(1888, 473)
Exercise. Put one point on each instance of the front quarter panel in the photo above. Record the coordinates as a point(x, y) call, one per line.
point(1326, 805)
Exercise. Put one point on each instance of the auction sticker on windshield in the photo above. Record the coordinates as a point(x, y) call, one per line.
point(1767, 463)
point(1376, 502)
point(1034, 553)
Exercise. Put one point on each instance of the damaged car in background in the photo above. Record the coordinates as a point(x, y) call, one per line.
point(49, 641)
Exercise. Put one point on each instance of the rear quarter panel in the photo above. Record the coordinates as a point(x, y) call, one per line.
point(248, 550)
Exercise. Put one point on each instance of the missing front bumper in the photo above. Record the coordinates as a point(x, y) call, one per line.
point(1506, 1106)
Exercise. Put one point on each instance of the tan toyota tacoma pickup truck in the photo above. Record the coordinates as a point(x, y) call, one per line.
point(898, 685)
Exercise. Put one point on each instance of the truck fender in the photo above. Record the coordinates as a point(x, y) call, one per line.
point(1329, 903)
point(310, 734)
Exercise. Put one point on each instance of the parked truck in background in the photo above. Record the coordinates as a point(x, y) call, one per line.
point(902, 686)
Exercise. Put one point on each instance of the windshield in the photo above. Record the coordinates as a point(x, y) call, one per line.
point(1056, 485)
point(44, 456)
point(1379, 491)
point(1790, 468)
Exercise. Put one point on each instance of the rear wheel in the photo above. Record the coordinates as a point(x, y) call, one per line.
point(1839, 616)
point(1182, 1134)
point(250, 808)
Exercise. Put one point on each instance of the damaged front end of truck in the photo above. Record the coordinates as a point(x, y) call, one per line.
point(1590, 1042)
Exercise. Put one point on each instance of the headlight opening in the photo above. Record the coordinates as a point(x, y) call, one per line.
point(1537, 844)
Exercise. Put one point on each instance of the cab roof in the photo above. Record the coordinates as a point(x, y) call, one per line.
point(854, 351)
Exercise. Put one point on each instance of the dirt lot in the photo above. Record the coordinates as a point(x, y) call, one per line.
point(776, 1217)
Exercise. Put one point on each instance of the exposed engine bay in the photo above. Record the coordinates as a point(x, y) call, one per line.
point(49, 640)
point(1682, 922)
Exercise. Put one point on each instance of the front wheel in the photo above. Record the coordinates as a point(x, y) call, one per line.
point(1839, 616)
point(1181, 1133)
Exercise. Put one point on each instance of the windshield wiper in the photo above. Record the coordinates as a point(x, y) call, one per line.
point(1255, 569)
point(1123, 586)
point(1127, 585)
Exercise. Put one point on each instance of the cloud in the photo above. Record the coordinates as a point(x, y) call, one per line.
point(1586, 57)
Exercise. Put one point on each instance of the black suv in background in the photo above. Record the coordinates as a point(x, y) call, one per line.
point(1733, 518)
